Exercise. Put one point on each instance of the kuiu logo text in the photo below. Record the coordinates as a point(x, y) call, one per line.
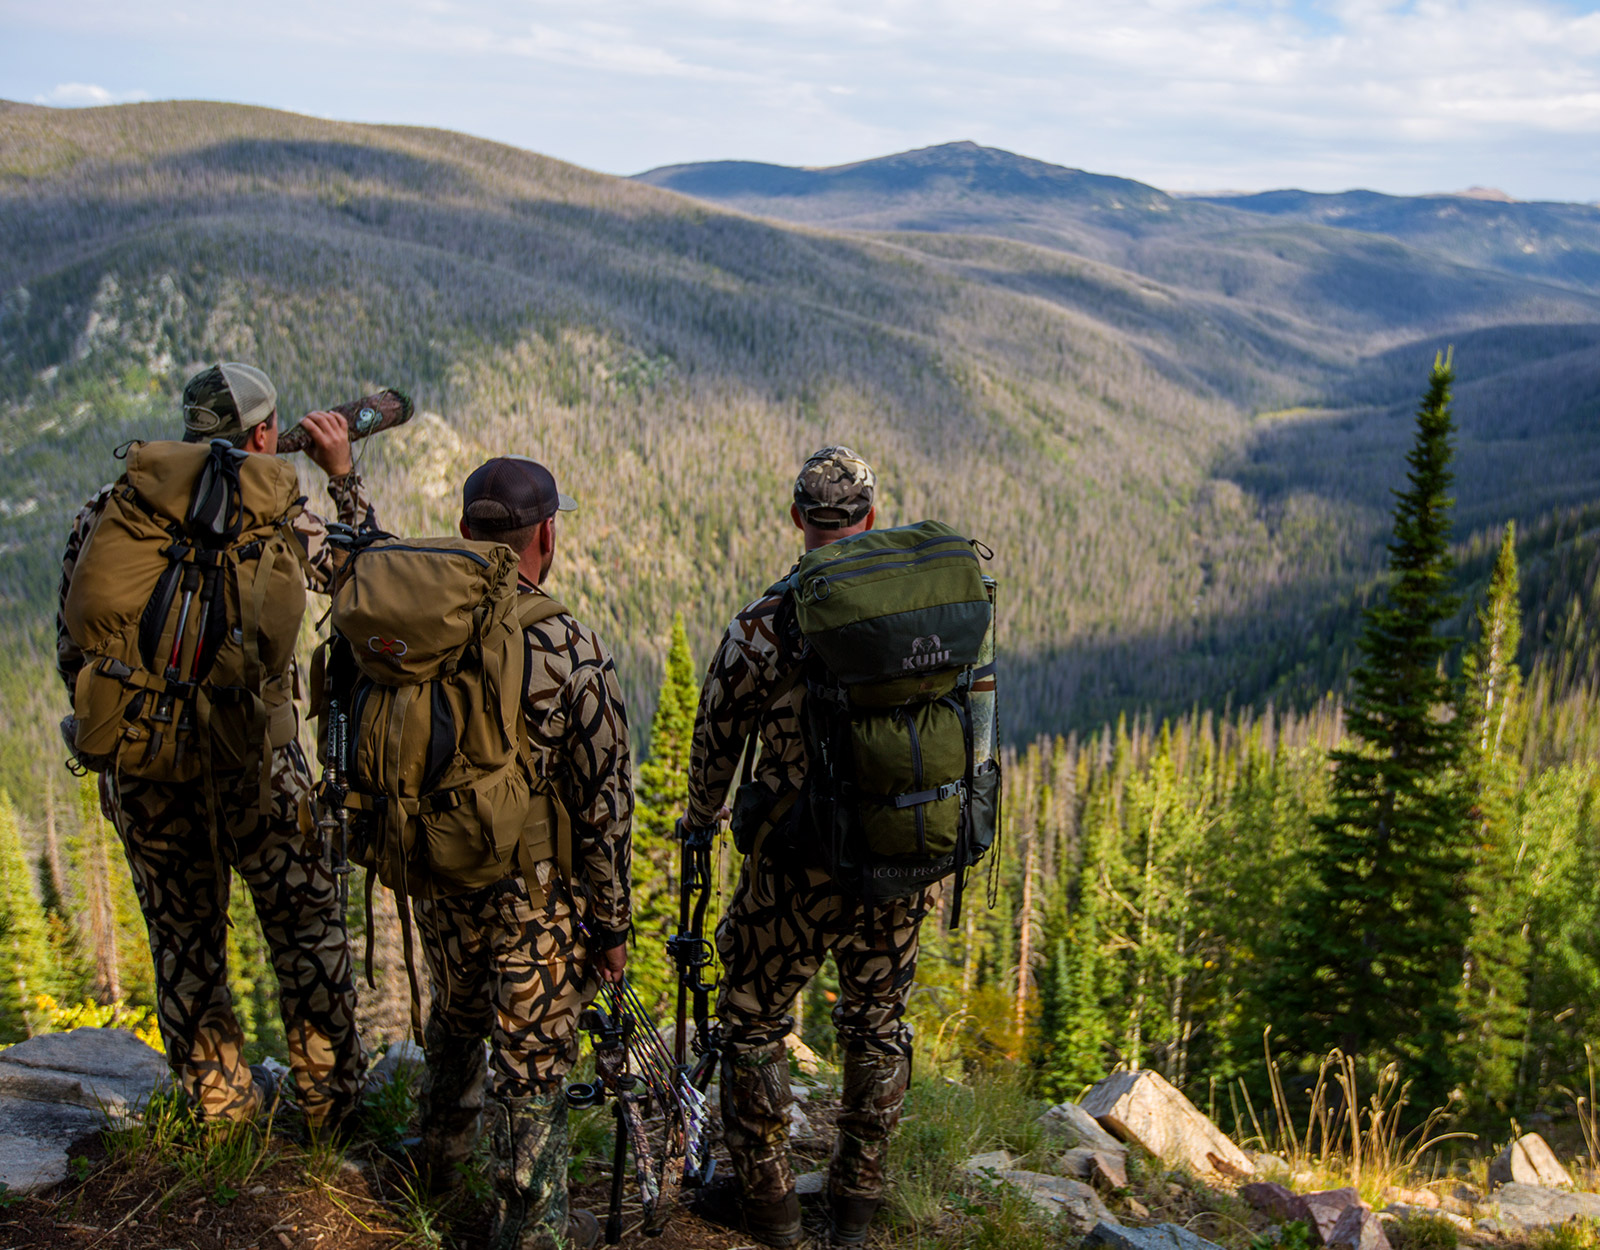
point(929, 652)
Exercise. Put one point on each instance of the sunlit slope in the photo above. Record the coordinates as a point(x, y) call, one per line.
point(671, 361)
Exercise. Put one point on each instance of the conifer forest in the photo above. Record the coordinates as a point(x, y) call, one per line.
point(1299, 671)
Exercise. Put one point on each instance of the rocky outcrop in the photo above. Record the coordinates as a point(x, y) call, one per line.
point(59, 1088)
point(1104, 1169)
point(1322, 1211)
point(1056, 1196)
point(98, 1069)
point(1072, 1125)
point(1533, 1206)
point(1143, 1107)
point(1156, 1237)
point(1275, 1201)
point(1357, 1229)
point(1528, 1161)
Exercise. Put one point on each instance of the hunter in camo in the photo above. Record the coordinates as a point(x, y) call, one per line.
point(517, 962)
point(787, 914)
point(279, 853)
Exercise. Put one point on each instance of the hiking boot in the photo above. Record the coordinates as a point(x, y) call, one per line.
point(850, 1219)
point(528, 1170)
point(774, 1223)
point(266, 1085)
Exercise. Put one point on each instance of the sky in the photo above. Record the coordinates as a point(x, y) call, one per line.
point(1403, 96)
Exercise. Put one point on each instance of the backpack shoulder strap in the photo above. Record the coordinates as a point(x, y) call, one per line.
point(536, 609)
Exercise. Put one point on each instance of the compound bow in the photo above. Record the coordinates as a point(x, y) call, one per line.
point(659, 1096)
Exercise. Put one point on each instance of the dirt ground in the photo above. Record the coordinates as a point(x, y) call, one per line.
point(281, 1208)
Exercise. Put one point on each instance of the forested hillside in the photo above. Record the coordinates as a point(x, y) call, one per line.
point(1179, 426)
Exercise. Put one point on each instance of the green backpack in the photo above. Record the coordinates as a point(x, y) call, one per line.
point(903, 780)
point(429, 763)
point(186, 602)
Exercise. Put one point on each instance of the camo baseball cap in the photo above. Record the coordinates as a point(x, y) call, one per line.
point(510, 492)
point(226, 400)
point(835, 488)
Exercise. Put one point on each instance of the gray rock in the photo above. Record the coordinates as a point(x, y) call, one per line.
point(107, 1070)
point(811, 1184)
point(1323, 1209)
point(1075, 1126)
point(1271, 1163)
point(403, 1057)
point(799, 1123)
point(1156, 1237)
point(1274, 1201)
point(1144, 1107)
point(991, 1161)
point(1533, 1206)
point(35, 1138)
point(1101, 1168)
point(1528, 1161)
point(1055, 1196)
point(1358, 1229)
point(1405, 1211)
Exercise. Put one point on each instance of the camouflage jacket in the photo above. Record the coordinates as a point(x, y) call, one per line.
point(578, 727)
point(749, 666)
point(353, 507)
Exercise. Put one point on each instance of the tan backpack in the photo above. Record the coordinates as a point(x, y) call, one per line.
point(422, 693)
point(186, 602)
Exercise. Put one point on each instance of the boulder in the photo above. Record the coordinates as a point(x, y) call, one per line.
point(1070, 1123)
point(1357, 1229)
point(107, 1070)
point(1533, 1206)
point(1322, 1210)
point(1528, 1161)
point(990, 1161)
point(1274, 1201)
point(1271, 1163)
point(1156, 1237)
point(35, 1138)
point(799, 1122)
point(1054, 1196)
point(1101, 1168)
point(1143, 1107)
point(404, 1058)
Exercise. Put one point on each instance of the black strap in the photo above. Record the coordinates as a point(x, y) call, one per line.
point(949, 790)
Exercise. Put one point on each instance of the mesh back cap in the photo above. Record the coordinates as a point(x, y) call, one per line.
point(227, 399)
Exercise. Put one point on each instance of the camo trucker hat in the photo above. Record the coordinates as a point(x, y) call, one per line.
point(226, 400)
point(835, 488)
point(510, 492)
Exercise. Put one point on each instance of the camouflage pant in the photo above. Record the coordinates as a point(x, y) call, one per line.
point(279, 854)
point(779, 928)
point(511, 970)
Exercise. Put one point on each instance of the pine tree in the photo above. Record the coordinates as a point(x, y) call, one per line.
point(1494, 973)
point(23, 953)
point(659, 799)
point(1376, 945)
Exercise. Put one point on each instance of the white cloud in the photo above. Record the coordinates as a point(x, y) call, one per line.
point(87, 95)
point(1399, 94)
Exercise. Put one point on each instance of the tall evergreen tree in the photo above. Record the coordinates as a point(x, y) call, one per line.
point(23, 953)
point(659, 799)
point(1375, 947)
point(1494, 972)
